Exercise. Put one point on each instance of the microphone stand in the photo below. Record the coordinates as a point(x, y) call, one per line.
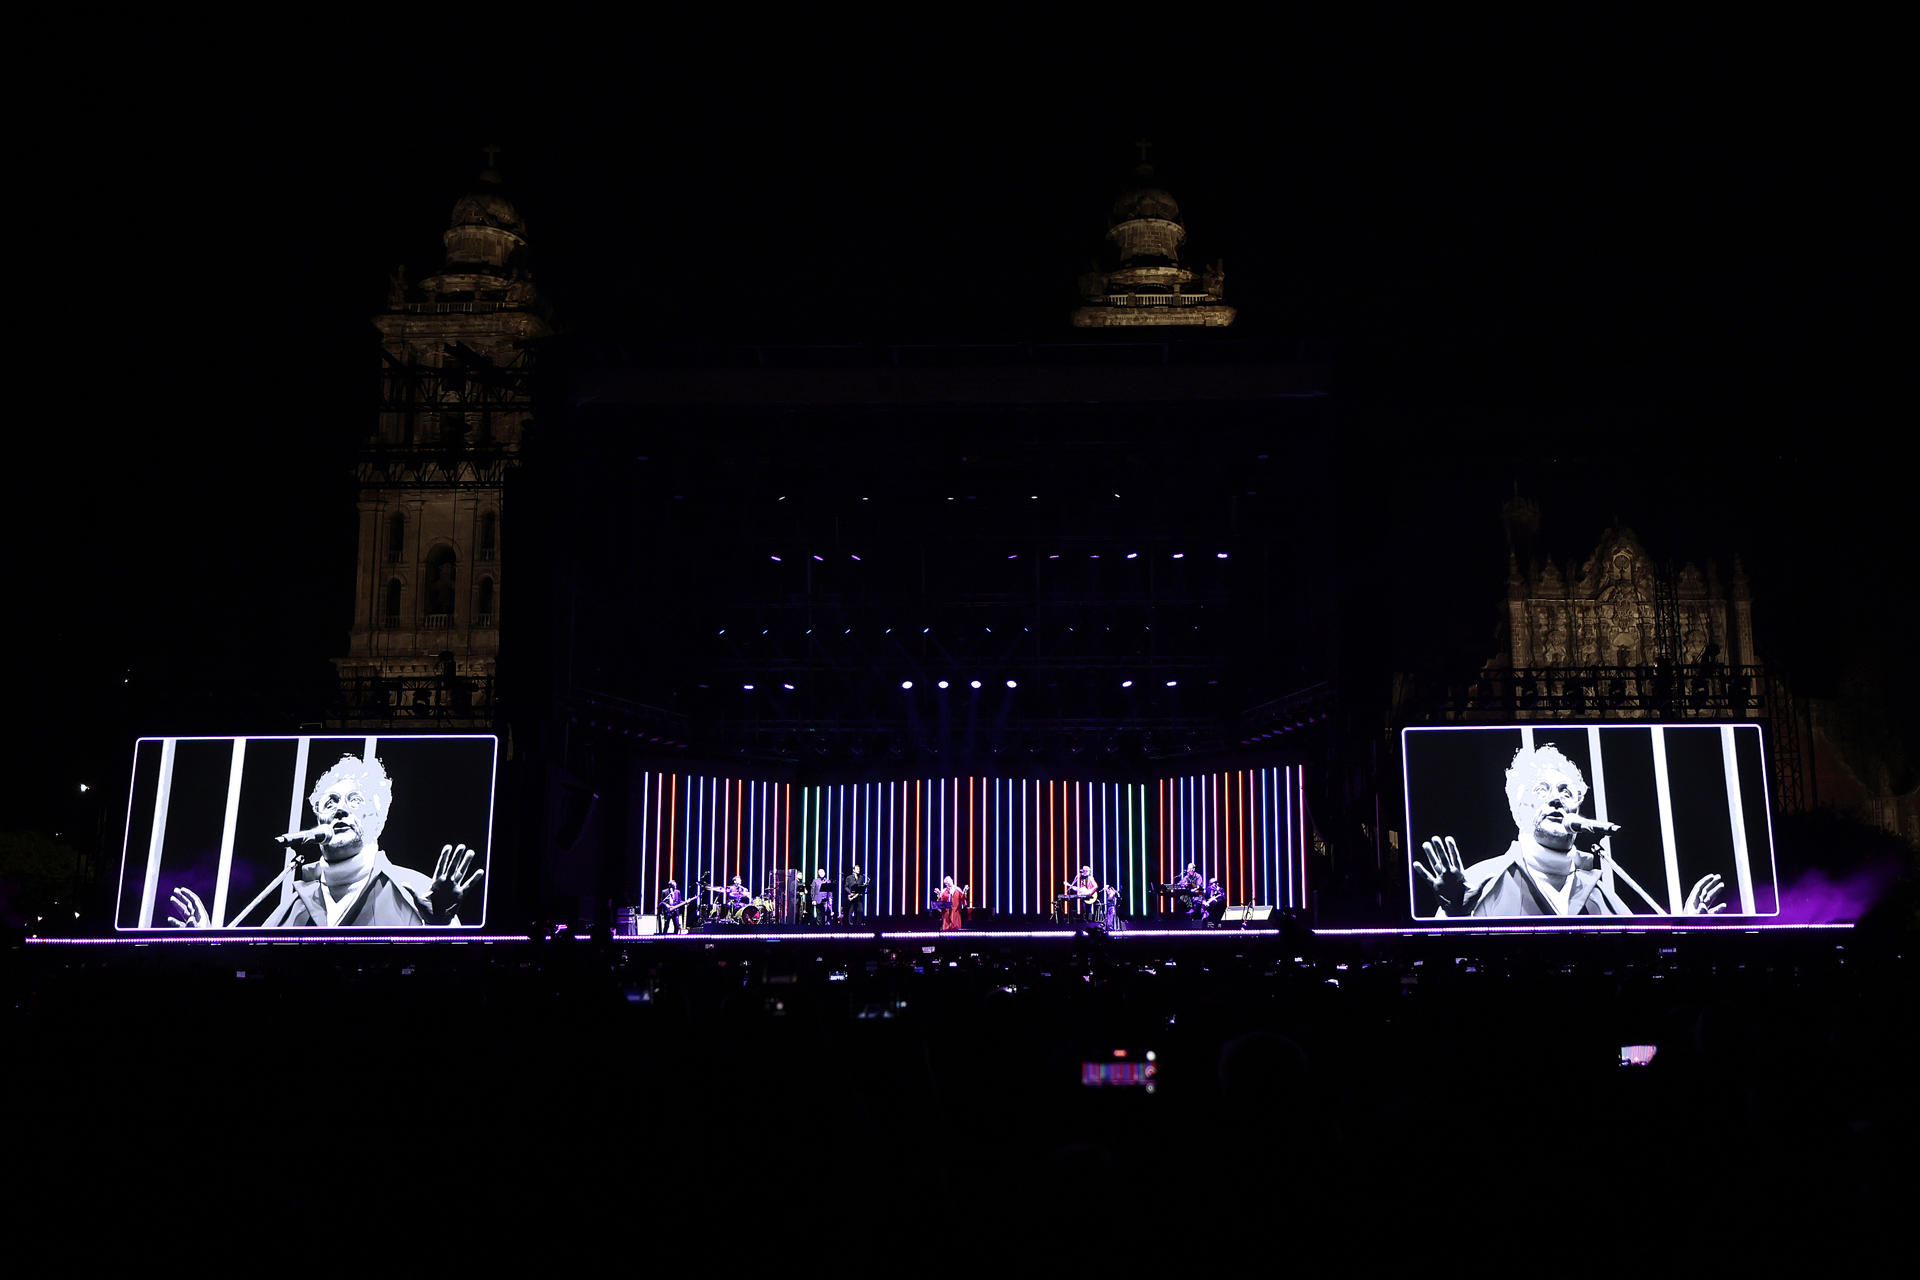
point(291, 872)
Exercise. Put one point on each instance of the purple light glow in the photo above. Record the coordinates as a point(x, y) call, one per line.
point(1013, 684)
point(853, 557)
point(822, 559)
point(1133, 555)
point(973, 684)
point(1179, 555)
point(273, 938)
point(941, 685)
point(906, 684)
point(1126, 684)
point(775, 559)
point(1219, 555)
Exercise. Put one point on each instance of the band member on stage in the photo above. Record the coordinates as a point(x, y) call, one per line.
point(854, 895)
point(1084, 888)
point(673, 915)
point(1213, 903)
point(953, 900)
point(822, 897)
point(1186, 892)
point(1110, 900)
point(737, 895)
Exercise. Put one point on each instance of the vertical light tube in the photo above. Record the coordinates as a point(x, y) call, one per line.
point(296, 804)
point(660, 858)
point(646, 847)
point(1662, 784)
point(673, 830)
point(1737, 815)
point(1300, 776)
point(219, 909)
point(1287, 851)
point(1262, 818)
point(157, 839)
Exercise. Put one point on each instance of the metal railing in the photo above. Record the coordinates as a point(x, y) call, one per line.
point(414, 700)
point(1691, 692)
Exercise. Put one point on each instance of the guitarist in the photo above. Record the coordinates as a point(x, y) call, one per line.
point(672, 907)
point(1082, 889)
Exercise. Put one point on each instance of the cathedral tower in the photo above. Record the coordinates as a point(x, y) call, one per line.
point(454, 398)
point(1143, 283)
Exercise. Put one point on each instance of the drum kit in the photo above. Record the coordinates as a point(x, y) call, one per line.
point(750, 913)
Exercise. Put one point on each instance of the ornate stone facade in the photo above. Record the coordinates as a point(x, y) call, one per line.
point(1149, 287)
point(1607, 615)
point(429, 587)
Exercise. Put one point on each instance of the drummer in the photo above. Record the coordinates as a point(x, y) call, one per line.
point(737, 895)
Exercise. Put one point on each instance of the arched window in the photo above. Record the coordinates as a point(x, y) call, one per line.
point(441, 566)
point(485, 604)
point(489, 532)
point(393, 601)
point(396, 537)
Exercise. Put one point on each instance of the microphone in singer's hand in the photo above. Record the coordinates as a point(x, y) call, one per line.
point(311, 836)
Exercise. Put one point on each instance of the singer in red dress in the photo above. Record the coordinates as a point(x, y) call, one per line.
point(954, 904)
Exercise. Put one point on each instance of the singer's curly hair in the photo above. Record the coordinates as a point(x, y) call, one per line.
point(1526, 769)
point(372, 777)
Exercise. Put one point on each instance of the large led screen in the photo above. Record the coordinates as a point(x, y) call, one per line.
point(349, 833)
point(1583, 822)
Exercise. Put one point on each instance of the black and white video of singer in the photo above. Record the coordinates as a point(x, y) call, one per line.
point(341, 877)
point(1556, 865)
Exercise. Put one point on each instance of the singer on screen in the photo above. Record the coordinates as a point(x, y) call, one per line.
point(340, 877)
point(1556, 865)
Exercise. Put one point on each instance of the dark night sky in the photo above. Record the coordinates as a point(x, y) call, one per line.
point(1644, 273)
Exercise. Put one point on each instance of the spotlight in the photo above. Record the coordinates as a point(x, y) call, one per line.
point(1219, 555)
point(941, 685)
point(853, 557)
point(974, 684)
point(1011, 684)
point(786, 686)
point(1179, 555)
point(747, 687)
point(821, 559)
point(906, 684)
point(1133, 555)
point(1014, 556)
point(775, 559)
point(1172, 683)
point(1126, 684)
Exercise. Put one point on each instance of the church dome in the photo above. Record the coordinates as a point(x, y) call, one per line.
point(488, 208)
point(486, 231)
point(1142, 199)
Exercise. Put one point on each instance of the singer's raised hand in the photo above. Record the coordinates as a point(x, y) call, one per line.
point(451, 880)
point(1701, 901)
point(1444, 873)
point(193, 912)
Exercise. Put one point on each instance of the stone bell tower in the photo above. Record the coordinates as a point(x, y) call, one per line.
point(1142, 283)
point(455, 353)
